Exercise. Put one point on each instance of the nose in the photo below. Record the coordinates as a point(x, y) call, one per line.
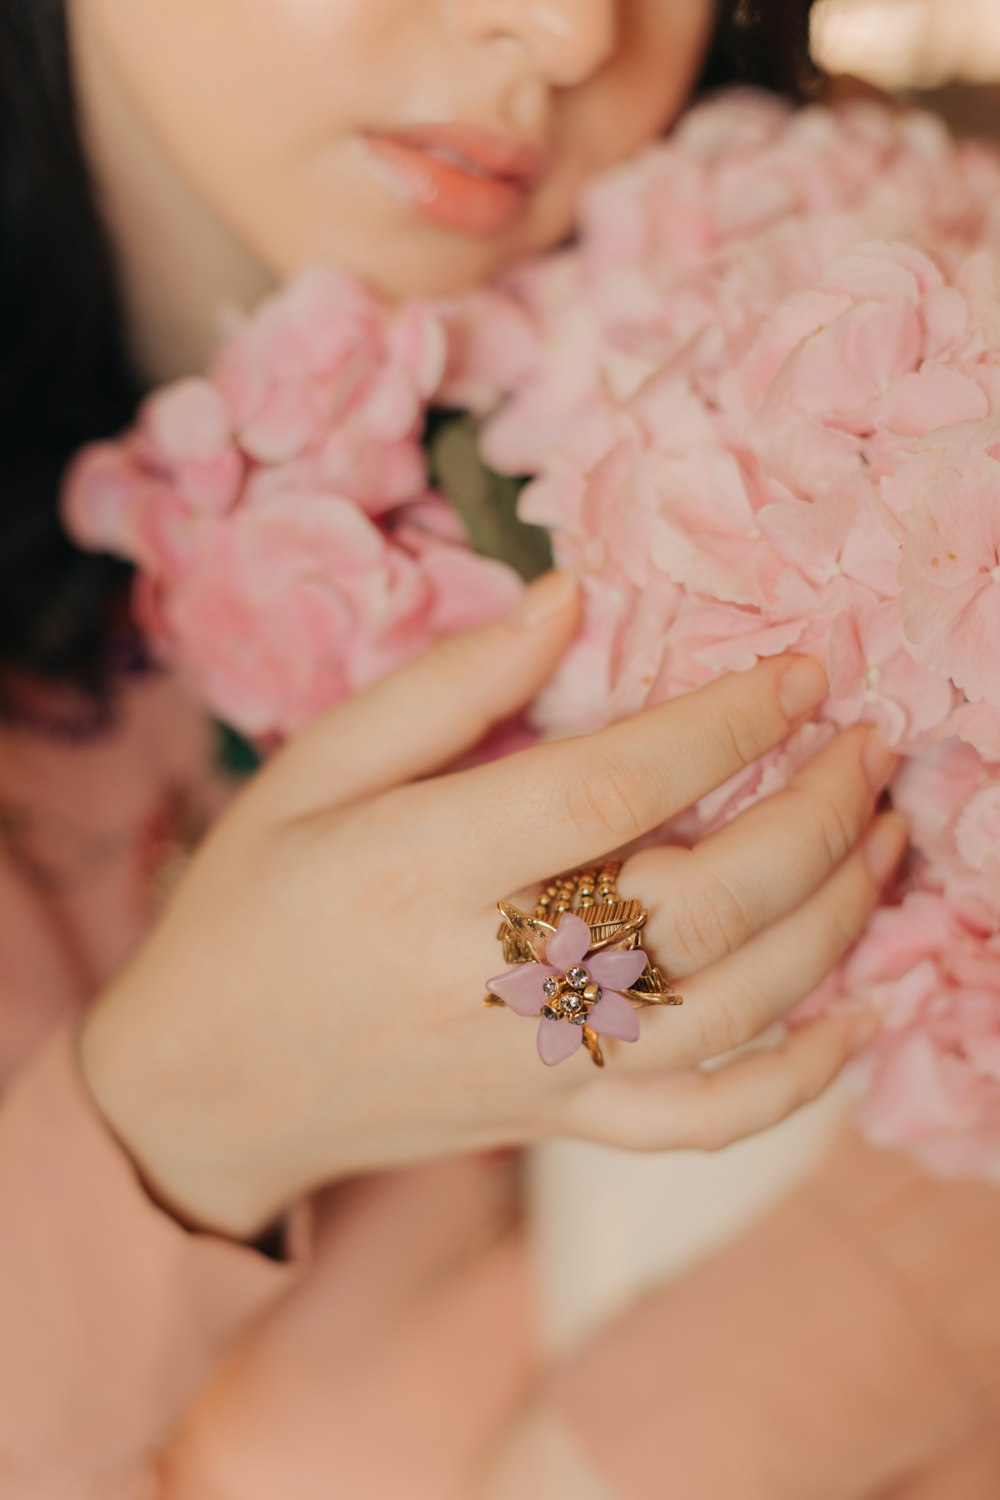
point(566, 40)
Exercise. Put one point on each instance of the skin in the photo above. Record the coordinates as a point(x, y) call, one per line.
point(225, 142)
point(213, 1055)
point(226, 135)
point(254, 1048)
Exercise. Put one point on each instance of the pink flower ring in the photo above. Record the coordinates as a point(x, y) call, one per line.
point(576, 990)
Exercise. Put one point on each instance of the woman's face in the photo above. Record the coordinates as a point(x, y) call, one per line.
point(421, 143)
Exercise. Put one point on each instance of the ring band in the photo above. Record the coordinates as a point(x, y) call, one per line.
point(577, 965)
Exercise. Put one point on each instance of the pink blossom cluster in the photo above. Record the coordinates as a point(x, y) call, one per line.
point(760, 401)
point(762, 406)
point(289, 549)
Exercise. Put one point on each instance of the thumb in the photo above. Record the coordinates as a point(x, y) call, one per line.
point(425, 715)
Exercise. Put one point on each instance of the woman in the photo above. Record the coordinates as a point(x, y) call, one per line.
point(204, 1295)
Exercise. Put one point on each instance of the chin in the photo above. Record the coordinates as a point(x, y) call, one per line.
point(417, 260)
point(404, 274)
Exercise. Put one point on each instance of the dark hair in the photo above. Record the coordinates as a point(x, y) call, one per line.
point(763, 42)
point(64, 374)
point(65, 377)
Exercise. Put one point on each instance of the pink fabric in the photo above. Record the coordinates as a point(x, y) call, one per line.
point(849, 1347)
point(137, 1359)
point(81, 817)
point(117, 1315)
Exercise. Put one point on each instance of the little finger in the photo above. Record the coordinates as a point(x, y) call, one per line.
point(763, 864)
point(705, 1110)
point(732, 1001)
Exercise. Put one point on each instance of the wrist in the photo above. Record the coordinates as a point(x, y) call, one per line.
point(272, 1242)
point(184, 1145)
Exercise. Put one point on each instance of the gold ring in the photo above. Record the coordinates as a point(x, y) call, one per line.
point(578, 966)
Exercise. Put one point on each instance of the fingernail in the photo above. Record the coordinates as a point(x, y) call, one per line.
point(543, 600)
point(878, 760)
point(803, 687)
point(863, 1028)
point(884, 846)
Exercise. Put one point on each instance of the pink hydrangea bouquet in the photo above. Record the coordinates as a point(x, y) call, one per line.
point(758, 400)
point(289, 547)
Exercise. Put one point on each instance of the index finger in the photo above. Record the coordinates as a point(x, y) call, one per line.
point(570, 802)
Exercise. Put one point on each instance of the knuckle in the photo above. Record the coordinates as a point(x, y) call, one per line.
point(834, 828)
point(736, 1011)
point(739, 736)
point(607, 798)
point(710, 923)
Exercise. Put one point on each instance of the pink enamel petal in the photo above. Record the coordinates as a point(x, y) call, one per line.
point(557, 1041)
point(568, 943)
point(521, 987)
point(614, 1016)
point(619, 971)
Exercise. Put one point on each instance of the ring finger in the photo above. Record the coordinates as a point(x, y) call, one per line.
point(763, 864)
point(734, 1000)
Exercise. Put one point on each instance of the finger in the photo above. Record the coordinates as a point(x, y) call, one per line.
point(707, 1110)
point(734, 1000)
point(562, 804)
point(425, 715)
point(763, 864)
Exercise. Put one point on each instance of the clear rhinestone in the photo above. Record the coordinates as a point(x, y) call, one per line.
point(549, 1013)
point(550, 989)
point(572, 1004)
point(580, 1020)
point(578, 978)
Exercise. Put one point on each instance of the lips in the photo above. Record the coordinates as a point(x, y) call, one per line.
point(466, 178)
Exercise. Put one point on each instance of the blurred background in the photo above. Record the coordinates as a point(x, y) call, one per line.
point(944, 51)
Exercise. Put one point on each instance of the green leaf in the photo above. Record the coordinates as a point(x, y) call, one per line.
point(485, 501)
point(234, 755)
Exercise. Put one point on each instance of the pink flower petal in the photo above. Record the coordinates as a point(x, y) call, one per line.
point(614, 1016)
point(189, 421)
point(521, 987)
point(977, 832)
point(557, 1041)
point(569, 942)
point(619, 971)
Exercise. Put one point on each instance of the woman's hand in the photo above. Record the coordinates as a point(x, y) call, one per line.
point(311, 1006)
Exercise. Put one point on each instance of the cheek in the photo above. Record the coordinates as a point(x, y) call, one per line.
point(231, 91)
point(664, 43)
point(255, 106)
